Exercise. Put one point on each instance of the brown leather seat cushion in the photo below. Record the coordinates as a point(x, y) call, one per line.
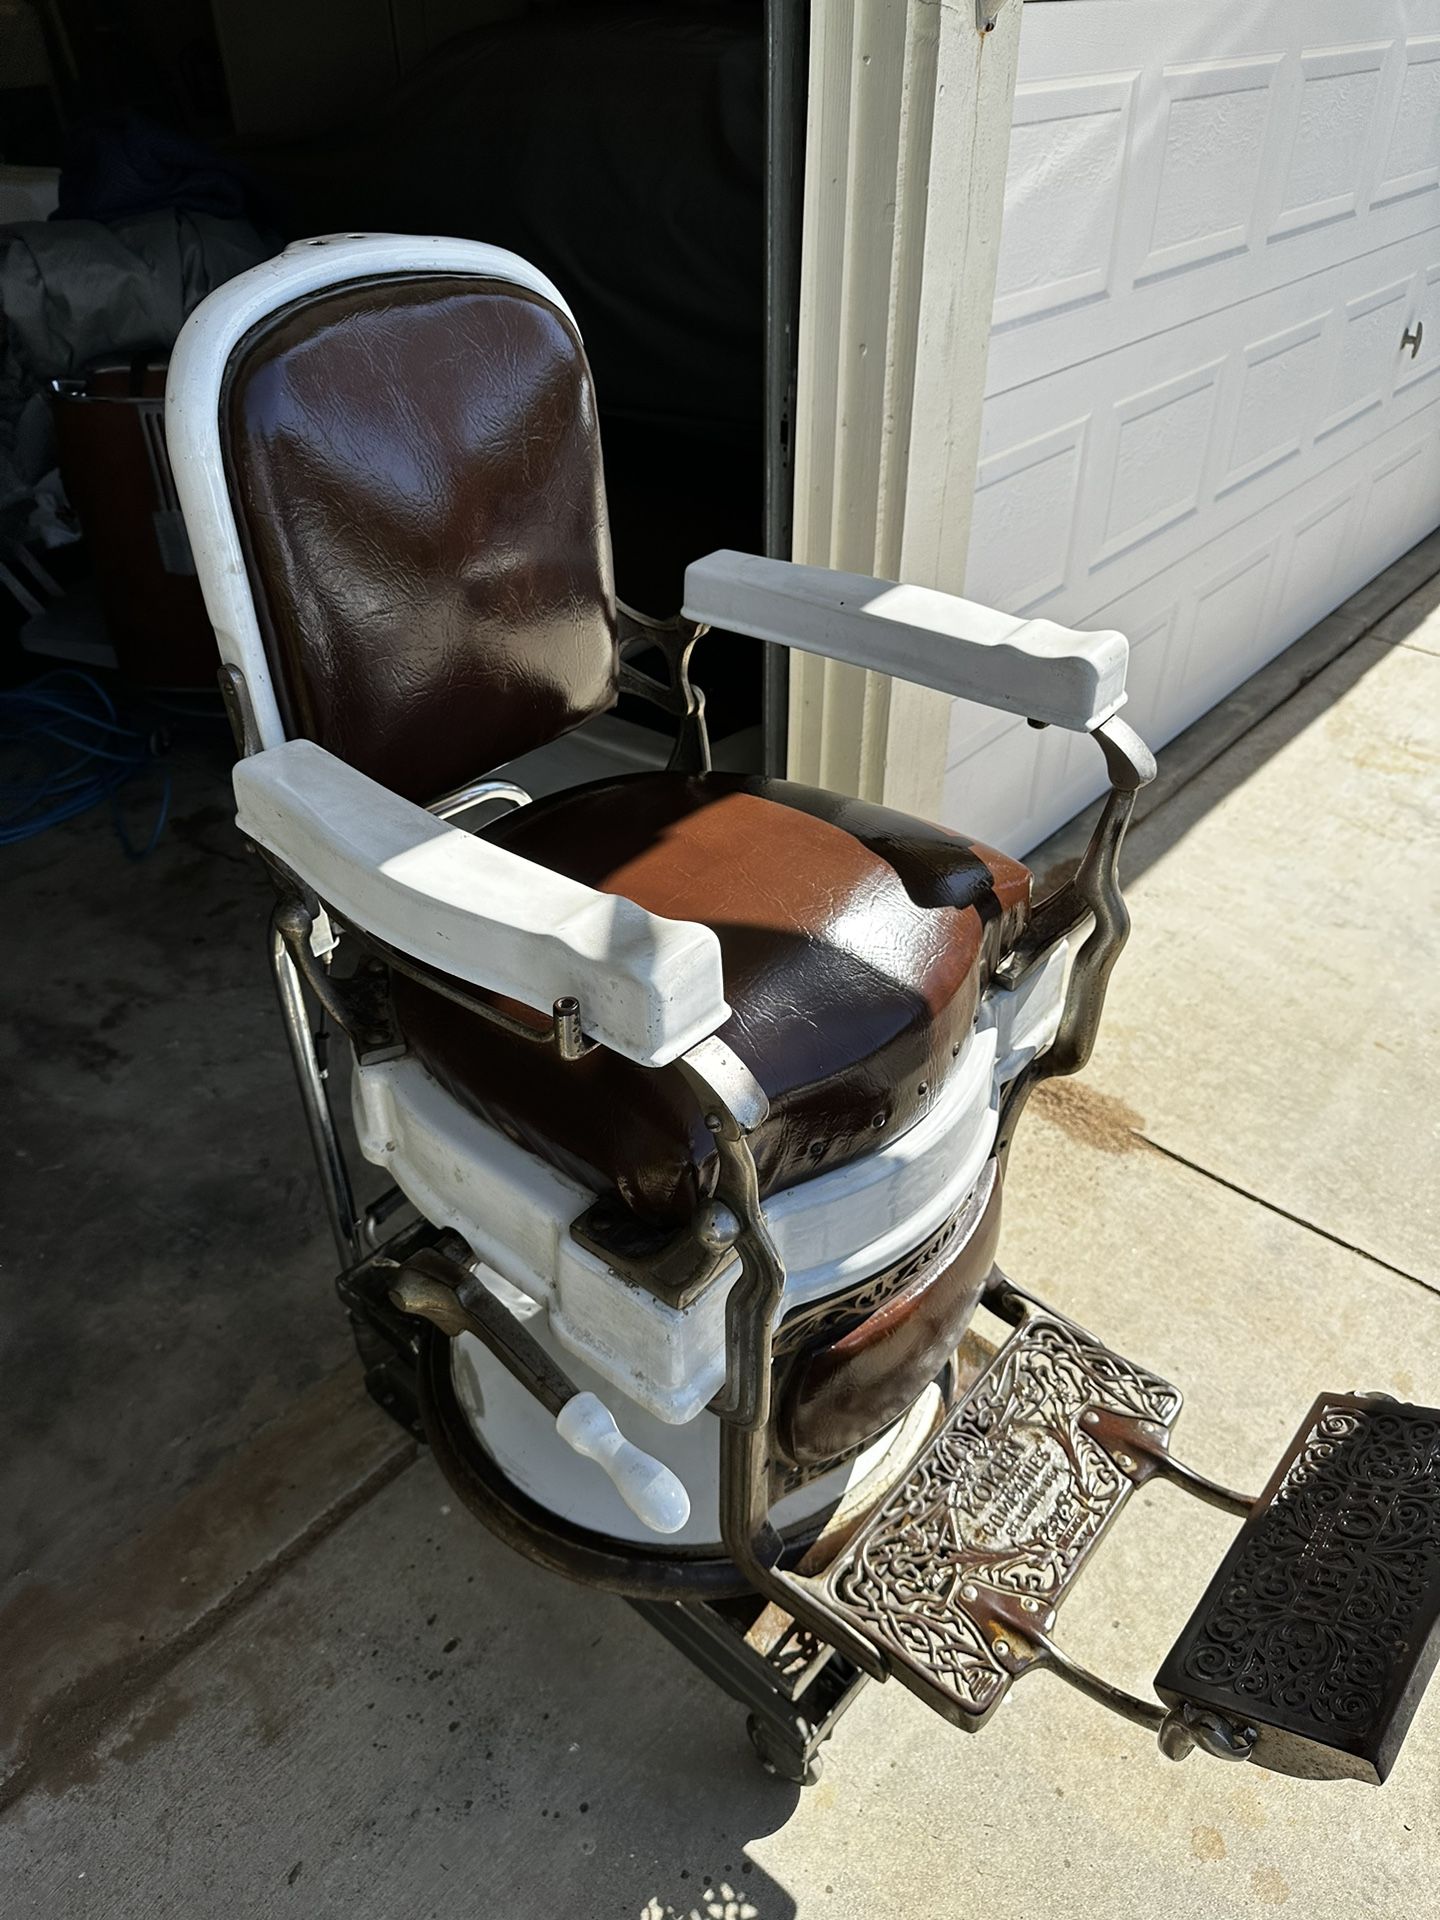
point(855, 943)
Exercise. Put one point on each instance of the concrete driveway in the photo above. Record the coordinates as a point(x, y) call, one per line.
point(277, 1670)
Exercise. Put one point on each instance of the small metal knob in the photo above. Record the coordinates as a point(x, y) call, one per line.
point(716, 1226)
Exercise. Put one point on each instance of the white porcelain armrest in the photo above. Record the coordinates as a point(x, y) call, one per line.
point(1031, 667)
point(649, 988)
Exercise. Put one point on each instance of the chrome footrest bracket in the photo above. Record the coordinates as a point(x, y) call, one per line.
point(956, 1578)
point(1313, 1643)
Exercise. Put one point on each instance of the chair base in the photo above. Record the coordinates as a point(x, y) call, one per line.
point(411, 1371)
point(946, 1567)
point(793, 1688)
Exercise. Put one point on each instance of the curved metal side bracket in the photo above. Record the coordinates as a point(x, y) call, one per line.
point(735, 1104)
point(1093, 893)
point(310, 1075)
point(1187, 1726)
point(239, 710)
point(676, 695)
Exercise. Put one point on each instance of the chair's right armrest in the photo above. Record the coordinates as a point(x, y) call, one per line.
point(649, 988)
point(1035, 668)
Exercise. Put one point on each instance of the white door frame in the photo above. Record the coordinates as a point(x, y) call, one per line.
point(908, 136)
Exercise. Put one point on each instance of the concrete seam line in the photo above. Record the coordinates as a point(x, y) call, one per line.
point(1273, 1206)
point(82, 1712)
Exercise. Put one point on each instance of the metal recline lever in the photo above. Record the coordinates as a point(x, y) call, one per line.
point(432, 1287)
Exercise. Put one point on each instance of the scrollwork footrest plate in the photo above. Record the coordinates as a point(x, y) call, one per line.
point(1322, 1625)
point(956, 1576)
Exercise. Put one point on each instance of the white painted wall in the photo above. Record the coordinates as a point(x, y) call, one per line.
point(1199, 426)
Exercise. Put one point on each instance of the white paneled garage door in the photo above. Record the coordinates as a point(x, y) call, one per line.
point(1201, 426)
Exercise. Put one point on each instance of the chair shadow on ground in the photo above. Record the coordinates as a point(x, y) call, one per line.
point(617, 1779)
point(411, 1719)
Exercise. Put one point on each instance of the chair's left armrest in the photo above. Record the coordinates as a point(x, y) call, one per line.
point(649, 988)
point(1031, 667)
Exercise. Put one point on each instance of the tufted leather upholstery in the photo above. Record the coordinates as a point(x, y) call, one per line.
point(855, 942)
point(414, 464)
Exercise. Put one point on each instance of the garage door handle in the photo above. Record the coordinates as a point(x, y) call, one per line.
point(1412, 338)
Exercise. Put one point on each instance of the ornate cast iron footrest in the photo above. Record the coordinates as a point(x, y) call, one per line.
point(956, 1578)
point(1313, 1643)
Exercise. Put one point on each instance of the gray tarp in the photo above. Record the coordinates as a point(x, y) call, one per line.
point(74, 291)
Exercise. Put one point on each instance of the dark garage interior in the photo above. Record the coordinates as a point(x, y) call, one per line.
point(158, 1172)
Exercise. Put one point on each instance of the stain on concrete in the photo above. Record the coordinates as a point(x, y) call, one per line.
point(1207, 1843)
point(154, 1727)
point(1087, 1115)
point(66, 1043)
point(1355, 737)
point(1270, 1886)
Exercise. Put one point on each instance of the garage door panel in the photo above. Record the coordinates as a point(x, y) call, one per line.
point(1208, 207)
point(1306, 551)
point(1396, 493)
point(1228, 615)
point(1412, 159)
point(1265, 422)
point(1334, 131)
point(1215, 118)
point(1368, 359)
point(1057, 246)
point(1182, 436)
point(1200, 424)
point(1315, 566)
point(1150, 466)
point(1024, 513)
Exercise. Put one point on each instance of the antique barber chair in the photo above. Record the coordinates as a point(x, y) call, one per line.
point(698, 1086)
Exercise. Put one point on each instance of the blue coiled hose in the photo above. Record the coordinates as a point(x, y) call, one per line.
point(63, 750)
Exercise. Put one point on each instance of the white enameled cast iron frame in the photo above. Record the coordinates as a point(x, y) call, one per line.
point(647, 987)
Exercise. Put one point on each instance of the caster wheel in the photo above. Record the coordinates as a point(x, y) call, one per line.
point(779, 1758)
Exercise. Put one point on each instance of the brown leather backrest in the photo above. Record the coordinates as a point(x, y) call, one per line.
point(414, 464)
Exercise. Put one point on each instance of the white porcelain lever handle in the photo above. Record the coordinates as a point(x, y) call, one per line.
point(648, 1488)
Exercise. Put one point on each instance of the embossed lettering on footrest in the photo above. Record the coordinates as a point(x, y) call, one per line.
point(957, 1575)
point(1322, 1624)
